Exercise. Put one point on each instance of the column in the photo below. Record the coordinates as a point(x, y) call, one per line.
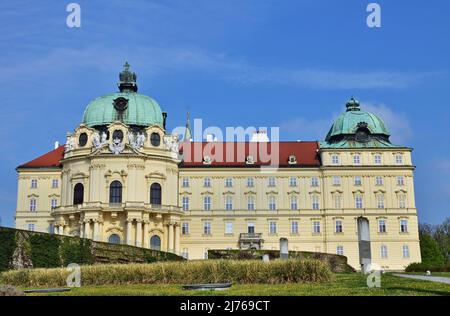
point(146, 238)
point(170, 245)
point(95, 230)
point(60, 229)
point(55, 229)
point(129, 227)
point(138, 233)
point(165, 246)
point(177, 238)
point(87, 229)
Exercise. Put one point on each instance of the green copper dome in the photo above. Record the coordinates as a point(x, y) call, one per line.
point(354, 119)
point(126, 106)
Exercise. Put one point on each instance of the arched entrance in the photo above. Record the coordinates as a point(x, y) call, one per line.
point(155, 242)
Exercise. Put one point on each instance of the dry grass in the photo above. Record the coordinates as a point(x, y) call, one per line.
point(208, 271)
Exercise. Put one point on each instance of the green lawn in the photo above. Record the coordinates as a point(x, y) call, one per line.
point(440, 274)
point(343, 284)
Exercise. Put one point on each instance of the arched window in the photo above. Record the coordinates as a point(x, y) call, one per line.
point(115, 192)
point(155, 194)
point(155, 242)
point(78, 194)
point(114, 239)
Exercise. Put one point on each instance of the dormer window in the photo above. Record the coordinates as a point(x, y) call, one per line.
point(292, 160)
point(249, 160)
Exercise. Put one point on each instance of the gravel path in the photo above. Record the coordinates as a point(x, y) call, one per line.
point(425, 278)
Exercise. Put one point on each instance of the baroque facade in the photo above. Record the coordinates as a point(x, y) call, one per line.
point(122, 177)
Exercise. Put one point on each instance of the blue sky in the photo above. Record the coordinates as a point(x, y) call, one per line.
point(285, 63)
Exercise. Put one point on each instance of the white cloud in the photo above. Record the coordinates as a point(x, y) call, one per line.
point(396, 122)
point(156, 60)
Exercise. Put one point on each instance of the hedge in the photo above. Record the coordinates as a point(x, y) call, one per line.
point(26, 249)
point(424, 267)
point(188, 272)
point(337, 263)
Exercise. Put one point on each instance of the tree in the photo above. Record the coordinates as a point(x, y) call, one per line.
point(442, 236)
point(431, 253)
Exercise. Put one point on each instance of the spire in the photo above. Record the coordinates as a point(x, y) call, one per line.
point(127, 79)
point(352, 104)
point(187, 132)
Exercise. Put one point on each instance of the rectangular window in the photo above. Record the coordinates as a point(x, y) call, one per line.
point(207, 203)
point(358, 201)
point(229, 203)
point(337, 201)
point(339, 226)
point(250, 203)
point(405, 250)
point(185, 182)
point(403, 226)
point(400, 181)
point(383, 252)
point(250, 228)
point(377, 159)
point(185, 203)
point(34, 183)
point(316, 227)
point(294, 227)
point(294, 205)
point(356, 159)
point(271, 182)
point(207, 182)
point(185, 228)
point(228, 182)
point(379, 180)
point(207, 228)
point(33, 205)
point(358, 181)
point(315, 202)
point(340, 250)
point(228, 228)
point(250, 182)
point(53, 203)
point(335, 159)
point(314, 182)
point(272, 228)
point(55, 183)
point(292, 181)
point(399, 159)
point(205, 255)
point(31, 227)
point(402, 201)
point(380, 201)
point(381, 226)
point(272, 203)
point(336, 180)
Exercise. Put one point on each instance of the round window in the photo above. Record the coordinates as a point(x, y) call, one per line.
point(82, 140)
point(155, 139)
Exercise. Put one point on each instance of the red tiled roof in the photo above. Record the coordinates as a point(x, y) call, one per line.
point(234, 154)
point(49, 160)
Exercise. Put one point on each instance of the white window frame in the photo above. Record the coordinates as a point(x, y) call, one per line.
point(357, 181)
point(293, 181)
point(338, 226)
point(377, 159)
point(250, 182)
point(294, 227)
point(207, 203)
point(383, 252)
point(207, 228)
point(31, 227)
point(272, 228)
point(271, 182)
point(340, 250)
point(315, 202)
point(207, 182)
point(380, 201)
point(55, 183)
point(357, 159)
point(185, 203)
point(53, 203)
point(316, 227)
point(405, 252)
point(379, 180)
point(228, 203)
point(335, 159)
point(185, 183)
point(228, 228)
point(399, 159)
point(185, 228)
point(382, 228)
point(229, 182)
point(34, 183)
point(294, 202)
point(314, 181)
point(359, 201)
point(336, 180)
point(250, 203)
point(403, 226)
point(33, 205)
point(272, 205)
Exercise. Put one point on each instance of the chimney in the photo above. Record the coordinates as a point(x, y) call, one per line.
point(259, 137)
point(209, 138)
point(56, 144)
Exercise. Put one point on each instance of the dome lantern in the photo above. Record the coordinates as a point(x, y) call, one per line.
point(352, 105)
point(127, 79)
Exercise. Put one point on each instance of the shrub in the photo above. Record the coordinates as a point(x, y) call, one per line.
point(45, 251)
point(8, 245)
point(431, 254)
point(207, 271)
point(423, 267)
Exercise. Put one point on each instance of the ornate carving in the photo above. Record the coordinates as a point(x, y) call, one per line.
point(116, 147)
point(136, 141)
point(98, 141)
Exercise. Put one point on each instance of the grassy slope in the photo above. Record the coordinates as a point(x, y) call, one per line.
point(343, 284)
